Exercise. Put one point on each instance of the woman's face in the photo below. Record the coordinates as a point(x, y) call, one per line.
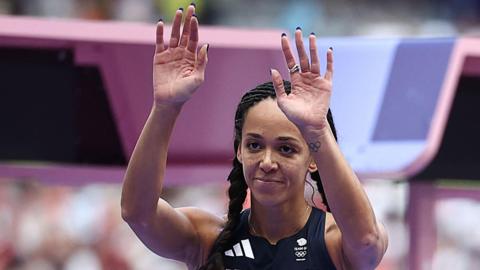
point(274, 155)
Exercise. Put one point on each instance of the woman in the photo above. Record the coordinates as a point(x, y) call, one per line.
point(282, 133)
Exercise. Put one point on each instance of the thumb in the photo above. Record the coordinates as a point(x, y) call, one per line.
point(278, 83)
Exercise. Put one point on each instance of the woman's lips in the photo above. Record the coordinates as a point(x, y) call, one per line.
point(267, 180)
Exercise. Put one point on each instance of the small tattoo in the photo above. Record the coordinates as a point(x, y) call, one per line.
point(314, 146)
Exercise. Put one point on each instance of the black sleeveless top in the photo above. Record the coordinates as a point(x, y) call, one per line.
point(304, 250)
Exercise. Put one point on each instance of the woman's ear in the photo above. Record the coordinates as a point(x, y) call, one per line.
point(312, 167)
point(239, 153)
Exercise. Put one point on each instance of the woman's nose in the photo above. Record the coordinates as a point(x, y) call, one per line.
point(267, 163)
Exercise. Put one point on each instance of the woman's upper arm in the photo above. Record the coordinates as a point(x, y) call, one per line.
point(345, 257)
point(178, 233)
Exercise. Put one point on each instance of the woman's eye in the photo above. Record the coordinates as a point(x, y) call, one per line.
point(285, 149)
point(253, 146)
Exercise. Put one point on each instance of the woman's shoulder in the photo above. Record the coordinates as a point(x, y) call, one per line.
point(207, 227)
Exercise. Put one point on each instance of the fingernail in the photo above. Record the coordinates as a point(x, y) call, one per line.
point(298, 28)
point(193, 4)
point(331, 49)
point(181, 9)
point(208, 47)
point(312, 33)
point(284, 35)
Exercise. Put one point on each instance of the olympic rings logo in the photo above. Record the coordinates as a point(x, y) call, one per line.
point(300, 254)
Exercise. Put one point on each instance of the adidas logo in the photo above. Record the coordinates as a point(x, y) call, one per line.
point(242, 249)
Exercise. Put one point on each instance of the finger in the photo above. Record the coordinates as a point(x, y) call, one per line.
point(315, 64)
point(202, 60)
point(193, 40)
point(287, 52)
point(329, 72)
point(175, 36)
point(186, 27)
point(159, 47)
point(278, 83)
point(302, 54)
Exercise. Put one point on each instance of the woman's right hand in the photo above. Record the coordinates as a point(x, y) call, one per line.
point(177, 68)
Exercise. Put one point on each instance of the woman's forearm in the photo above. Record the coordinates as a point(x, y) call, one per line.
point(346, 197)
point(146, 169)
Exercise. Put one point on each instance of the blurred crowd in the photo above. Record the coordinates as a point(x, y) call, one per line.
point(73, 228)
point(53, 227)
point(326, 18)
point(56, 227)
point(458, 243)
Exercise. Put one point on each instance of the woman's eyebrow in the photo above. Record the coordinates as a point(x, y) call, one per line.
point(280, 138)
point(254, 135)
point(287, 138)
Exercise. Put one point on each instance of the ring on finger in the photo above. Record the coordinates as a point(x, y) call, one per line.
point(294, 69)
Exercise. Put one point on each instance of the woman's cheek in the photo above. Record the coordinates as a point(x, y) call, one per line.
point(248, 167)
point(293, 171)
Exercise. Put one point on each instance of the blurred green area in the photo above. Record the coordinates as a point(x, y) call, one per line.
point(167, 8)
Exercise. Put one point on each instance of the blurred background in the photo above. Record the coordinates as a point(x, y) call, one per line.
point(55, 226)
point(326, 18)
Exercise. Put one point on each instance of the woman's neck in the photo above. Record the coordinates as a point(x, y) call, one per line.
point(280, 221)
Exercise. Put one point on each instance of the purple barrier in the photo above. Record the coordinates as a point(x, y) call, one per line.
point(392, 101)
point(238, 60)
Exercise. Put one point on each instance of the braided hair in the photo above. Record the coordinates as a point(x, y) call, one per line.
point(237, 192)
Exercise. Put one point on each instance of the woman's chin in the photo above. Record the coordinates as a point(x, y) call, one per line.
point(268, 198)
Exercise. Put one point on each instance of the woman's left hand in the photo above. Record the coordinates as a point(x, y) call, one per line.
point(308, 102)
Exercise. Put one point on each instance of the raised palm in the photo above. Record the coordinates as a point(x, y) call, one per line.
point(177, 69)
point(308, 102)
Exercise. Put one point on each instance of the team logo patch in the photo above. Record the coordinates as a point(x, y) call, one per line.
point(301, 250)
point(302, 242)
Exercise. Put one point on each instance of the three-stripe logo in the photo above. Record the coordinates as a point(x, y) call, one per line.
point(241, 249)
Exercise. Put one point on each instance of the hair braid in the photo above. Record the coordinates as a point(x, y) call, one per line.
point(315, 175)
point(237, 192)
